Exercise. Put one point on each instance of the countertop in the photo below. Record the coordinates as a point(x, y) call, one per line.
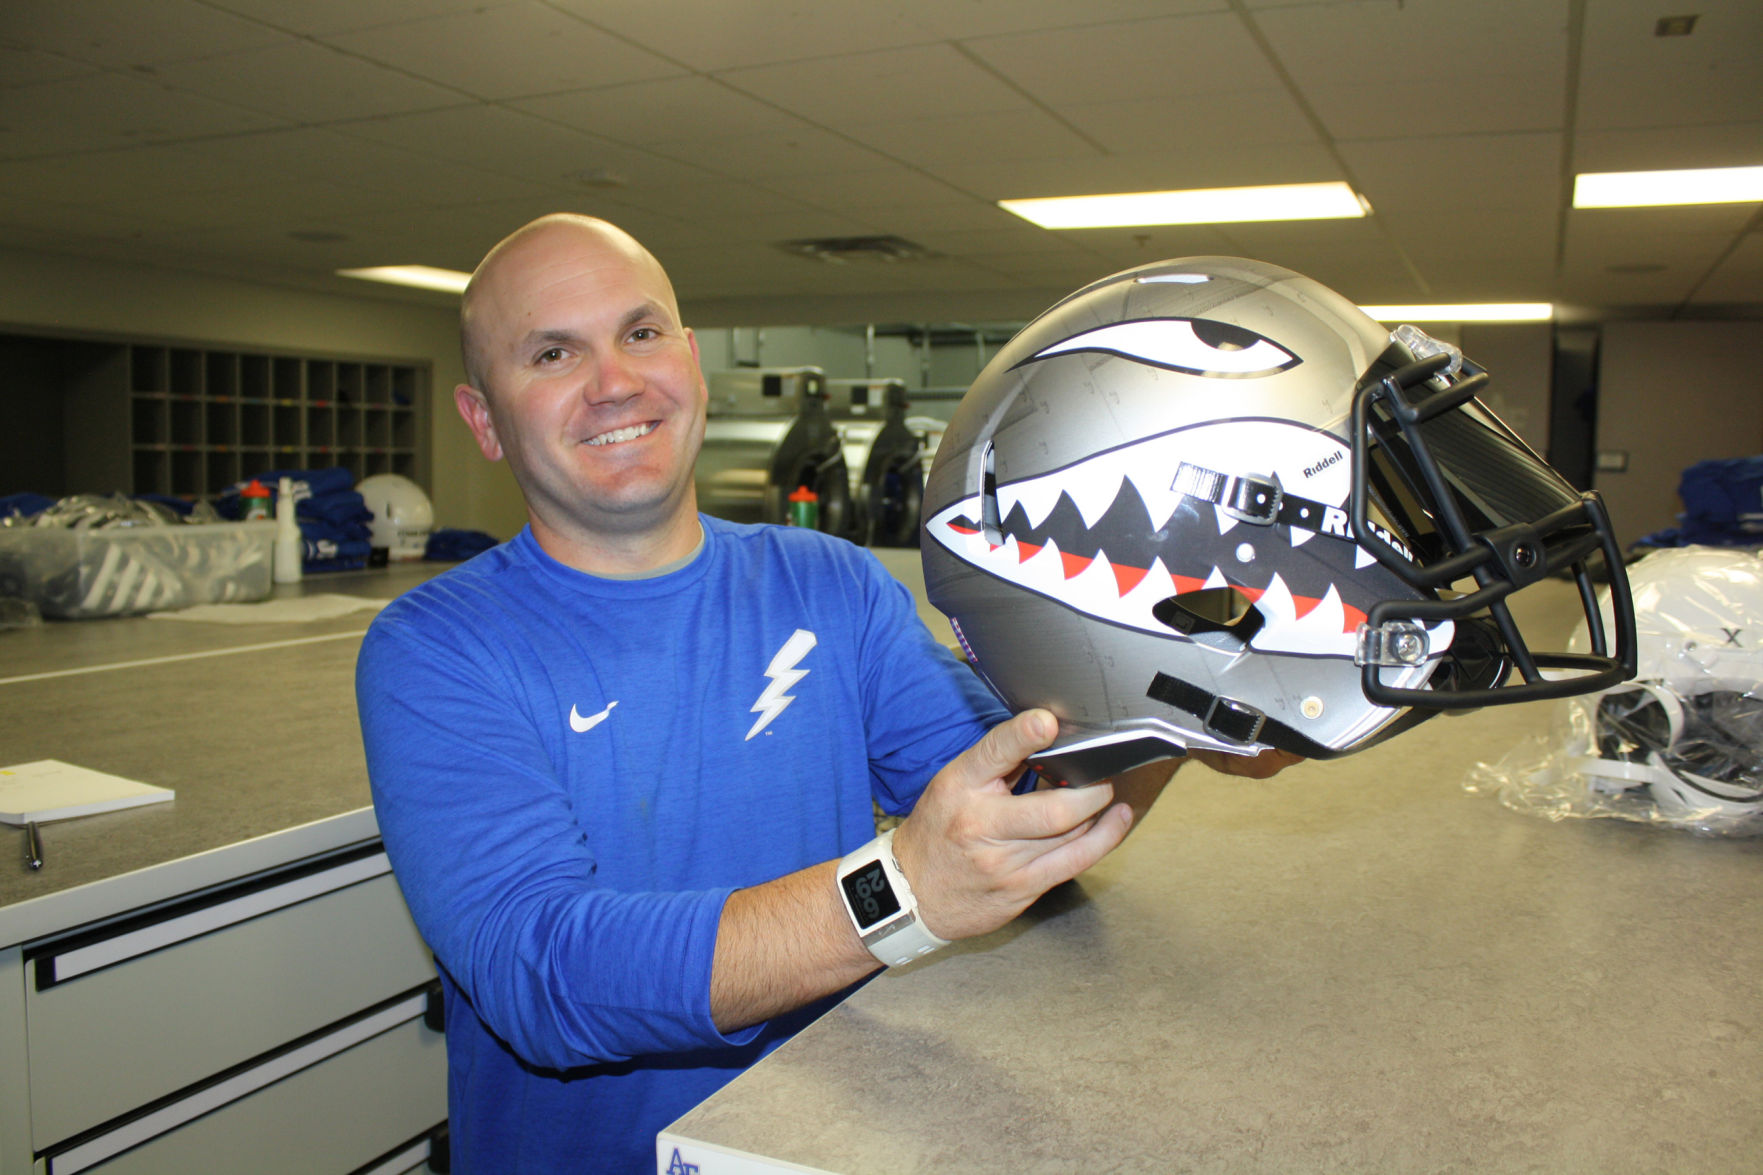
point(252, 725)
point(1355, 966)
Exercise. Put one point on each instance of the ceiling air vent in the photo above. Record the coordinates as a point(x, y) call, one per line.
point(839, 250)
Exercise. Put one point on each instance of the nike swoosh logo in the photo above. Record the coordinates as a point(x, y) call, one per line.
point(581, 725)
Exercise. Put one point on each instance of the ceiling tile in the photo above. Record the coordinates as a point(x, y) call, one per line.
point(1231, 123)
point(1143, 172)
point(152, 174)
point(1507, 233)
point(29, 67)
point(1737, 279)
point(306, 82)
point(506, 52)
point(1727, 144)
point(1459, 173)
point(1632, 78)
point(670, 110)
point(927, 81)
point(885, 186)
point(110, 110)
point(131, 34)
point(1400, 68)
point(907, 118)
point(318, 17)
point(1165, 59)
point(490, 137)
point(794, 158)
point(932, 143)
point(710, 37)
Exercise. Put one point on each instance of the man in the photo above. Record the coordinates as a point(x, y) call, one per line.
point(616, 760)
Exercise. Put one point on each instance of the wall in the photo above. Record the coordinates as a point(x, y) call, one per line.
point(55, 294)
point(1518, 357)
point(1671, 394)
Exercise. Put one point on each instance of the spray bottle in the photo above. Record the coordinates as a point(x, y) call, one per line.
point(290, 549)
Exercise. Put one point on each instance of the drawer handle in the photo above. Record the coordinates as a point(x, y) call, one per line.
point(60, 966)
point(108, 1142)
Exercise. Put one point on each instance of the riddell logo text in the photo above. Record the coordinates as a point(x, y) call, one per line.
point(1333, 458)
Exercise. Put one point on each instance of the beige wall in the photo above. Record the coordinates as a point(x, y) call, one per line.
point(64, 295)
point(1671, 394)
point(1519, 358)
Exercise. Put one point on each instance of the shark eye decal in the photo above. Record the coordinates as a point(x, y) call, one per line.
point(1194, 346)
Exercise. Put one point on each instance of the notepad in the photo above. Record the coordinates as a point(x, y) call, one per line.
point(49, 789)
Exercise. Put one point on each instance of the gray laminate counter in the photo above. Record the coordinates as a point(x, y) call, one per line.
point(253, 725)
point(1356, 966)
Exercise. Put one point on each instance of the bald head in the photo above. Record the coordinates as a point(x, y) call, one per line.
point(501, 272)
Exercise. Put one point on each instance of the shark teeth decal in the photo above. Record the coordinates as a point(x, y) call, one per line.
point(1101, 536)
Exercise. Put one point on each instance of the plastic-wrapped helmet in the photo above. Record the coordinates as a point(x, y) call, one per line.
point(403, 517)
point(1209, 503)
point(1688, 731)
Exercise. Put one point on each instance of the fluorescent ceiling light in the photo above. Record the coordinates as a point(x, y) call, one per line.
point(425, 277)
point(1645, 189)
point(1201, 206)
point(1465, 312)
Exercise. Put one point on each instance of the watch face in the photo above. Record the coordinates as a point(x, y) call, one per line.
point(870, 896)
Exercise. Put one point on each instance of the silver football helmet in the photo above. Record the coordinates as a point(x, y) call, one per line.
point(1210, 503)
point(1687, 733)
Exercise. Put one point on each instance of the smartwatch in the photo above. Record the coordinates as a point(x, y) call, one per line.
point(881, 904)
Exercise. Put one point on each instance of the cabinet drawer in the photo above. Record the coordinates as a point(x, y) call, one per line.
point(133, 1013)
point(333, 1117)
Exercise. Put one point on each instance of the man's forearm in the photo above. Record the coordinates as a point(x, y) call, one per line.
point(781, 945)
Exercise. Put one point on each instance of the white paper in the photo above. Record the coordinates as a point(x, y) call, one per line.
point(49, 789)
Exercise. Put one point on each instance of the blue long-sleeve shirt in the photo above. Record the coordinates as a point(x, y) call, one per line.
point(573, 773)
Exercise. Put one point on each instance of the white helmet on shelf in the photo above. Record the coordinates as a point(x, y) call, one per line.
point(402, 515)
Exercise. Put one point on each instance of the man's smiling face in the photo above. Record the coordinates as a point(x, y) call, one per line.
point(593, 390)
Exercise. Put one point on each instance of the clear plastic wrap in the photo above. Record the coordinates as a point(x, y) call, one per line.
point(1682, 744)
point(95, 555)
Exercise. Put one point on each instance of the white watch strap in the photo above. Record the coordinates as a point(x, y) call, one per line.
point(904, 936)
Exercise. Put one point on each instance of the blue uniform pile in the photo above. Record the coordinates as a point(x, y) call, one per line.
point(1722, 506)
point(332, 515)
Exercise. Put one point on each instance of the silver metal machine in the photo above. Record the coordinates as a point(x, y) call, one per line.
point(768, 433)
point(884, 455)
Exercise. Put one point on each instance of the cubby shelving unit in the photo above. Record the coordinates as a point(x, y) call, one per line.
point(202, 420)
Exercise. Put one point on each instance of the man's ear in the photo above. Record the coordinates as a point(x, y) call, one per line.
point(698, 365)
point(475, 408)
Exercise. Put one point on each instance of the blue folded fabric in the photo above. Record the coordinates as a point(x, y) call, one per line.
point(447, 545)
point(339, 508)
point(1723, 506)
point(25, 505)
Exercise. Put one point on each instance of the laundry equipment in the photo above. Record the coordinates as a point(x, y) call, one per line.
point(767, 434)
point(884, 455)
point(931, 409)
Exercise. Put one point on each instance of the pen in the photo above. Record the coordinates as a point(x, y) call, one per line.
point(33, 845)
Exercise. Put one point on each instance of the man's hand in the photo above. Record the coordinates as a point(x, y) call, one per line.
point(976, 855)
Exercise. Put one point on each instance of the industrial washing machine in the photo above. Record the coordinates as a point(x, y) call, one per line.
point(884, 455)
point(767, 434)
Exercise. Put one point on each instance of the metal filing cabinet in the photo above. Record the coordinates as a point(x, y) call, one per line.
point(283, 1022)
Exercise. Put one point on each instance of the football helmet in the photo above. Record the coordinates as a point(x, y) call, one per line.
point(403, 517)
point(1209, 503)
point(1688, 731)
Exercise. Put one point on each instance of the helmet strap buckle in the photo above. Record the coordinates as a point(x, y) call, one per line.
point(1245, 497)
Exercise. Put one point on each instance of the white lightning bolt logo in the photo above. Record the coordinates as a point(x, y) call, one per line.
point(783, 674)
